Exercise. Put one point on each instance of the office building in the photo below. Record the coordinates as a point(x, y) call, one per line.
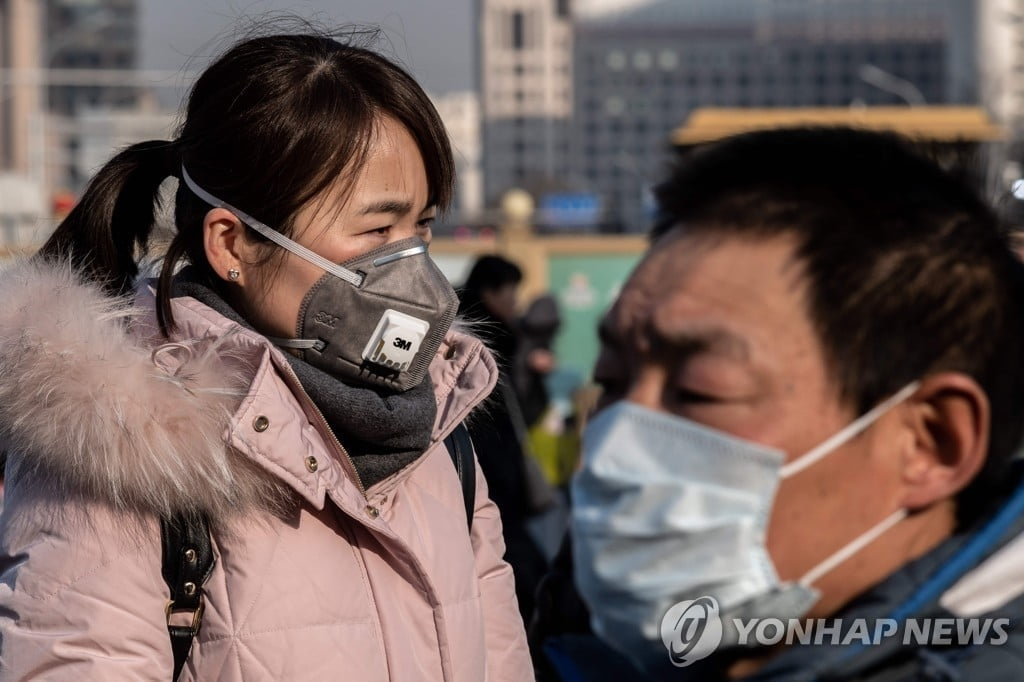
point(641, 67)
point(460, 112)
point(524, 78)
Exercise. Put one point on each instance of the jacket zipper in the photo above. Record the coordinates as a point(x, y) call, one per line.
point(326, 427)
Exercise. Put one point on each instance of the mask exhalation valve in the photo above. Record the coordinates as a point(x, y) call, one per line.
point(396, 340)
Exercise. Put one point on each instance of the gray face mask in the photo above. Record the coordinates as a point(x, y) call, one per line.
point(376, 319)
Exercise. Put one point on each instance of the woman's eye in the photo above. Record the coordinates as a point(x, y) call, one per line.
point(426, 223)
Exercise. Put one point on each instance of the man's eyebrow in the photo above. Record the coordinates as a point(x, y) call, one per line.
point(690, 339)
point(683, 338)
point(395, 206)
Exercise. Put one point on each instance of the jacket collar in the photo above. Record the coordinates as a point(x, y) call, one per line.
point(94, 402)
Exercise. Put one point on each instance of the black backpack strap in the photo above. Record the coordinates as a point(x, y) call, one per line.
point(187, 565)
point(188, 552)
point(460, 448)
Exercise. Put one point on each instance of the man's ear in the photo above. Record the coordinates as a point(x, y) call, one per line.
point(225, 243)
point(948, 417)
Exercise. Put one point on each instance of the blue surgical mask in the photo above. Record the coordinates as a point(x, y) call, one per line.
point(666, 509)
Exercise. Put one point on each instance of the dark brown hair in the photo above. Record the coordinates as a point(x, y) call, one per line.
point(268, 127)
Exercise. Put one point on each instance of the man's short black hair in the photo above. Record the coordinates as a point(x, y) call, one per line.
point(909, 272)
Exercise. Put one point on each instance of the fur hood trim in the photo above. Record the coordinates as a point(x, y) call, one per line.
point(88, 408)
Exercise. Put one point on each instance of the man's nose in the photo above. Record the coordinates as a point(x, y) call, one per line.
point(647, 388)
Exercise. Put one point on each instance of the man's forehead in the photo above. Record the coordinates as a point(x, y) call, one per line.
point(662, 268)
point(647, 331)
point(689, 290)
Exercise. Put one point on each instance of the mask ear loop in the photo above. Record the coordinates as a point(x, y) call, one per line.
point(852, 430)
point(859, 543)
point(855, 428)
point(353, 278)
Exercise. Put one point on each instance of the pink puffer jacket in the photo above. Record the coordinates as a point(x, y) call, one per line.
point(314, 579)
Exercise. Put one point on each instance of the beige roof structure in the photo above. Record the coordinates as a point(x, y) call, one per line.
point(925, 123)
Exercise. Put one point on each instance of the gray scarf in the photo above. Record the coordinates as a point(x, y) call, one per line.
point(382, 431)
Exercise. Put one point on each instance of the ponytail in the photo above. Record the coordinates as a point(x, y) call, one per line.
point(109, 228)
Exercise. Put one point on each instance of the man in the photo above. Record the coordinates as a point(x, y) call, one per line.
point(813, 391)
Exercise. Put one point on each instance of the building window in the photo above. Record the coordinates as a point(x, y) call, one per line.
point(616, 60)
point(668, 60)
point(562, 8)
point(518, 38)
point(614, 106)
point(642, 60)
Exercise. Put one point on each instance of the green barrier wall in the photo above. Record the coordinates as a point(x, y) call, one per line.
point(586, 286)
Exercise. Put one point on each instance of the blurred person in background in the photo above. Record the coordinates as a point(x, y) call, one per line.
point(549, 428)
point(535, 359)
point(488, 302)
point(238, 470)
point(489, 298)
point(813, 393)
point(552, 434)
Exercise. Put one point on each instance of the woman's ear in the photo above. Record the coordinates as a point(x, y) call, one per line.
point(224, 240)
point(949, 421)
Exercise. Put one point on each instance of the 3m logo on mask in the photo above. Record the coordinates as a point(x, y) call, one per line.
point(396, 340)
point(691, 630)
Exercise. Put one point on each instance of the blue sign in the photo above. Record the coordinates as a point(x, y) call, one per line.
point(570, 209)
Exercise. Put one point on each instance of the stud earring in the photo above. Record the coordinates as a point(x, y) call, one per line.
point(233, 274)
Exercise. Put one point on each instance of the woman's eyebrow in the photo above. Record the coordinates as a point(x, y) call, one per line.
point(394, 206)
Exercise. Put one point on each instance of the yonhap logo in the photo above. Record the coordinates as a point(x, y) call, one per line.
point(691, 630)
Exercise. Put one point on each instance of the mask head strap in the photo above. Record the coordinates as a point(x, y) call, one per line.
point(353, 278)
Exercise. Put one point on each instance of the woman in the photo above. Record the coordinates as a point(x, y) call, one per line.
point(295, 405)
